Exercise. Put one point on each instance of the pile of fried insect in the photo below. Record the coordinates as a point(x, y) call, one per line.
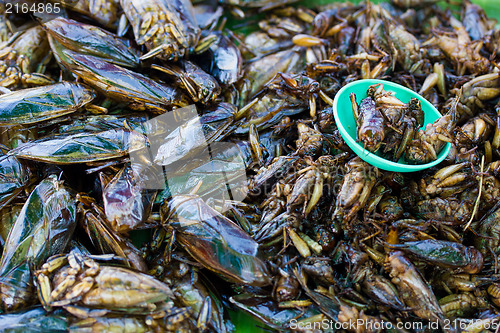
point(165, 164)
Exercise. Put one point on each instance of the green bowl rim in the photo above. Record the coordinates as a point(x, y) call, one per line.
point(370, 157)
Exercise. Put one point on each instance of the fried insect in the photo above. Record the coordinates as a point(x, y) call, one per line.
point(414, 290)
point(429, 142)
point(446, 254)
point(43, 228)
point(355, 190)
point(23, 59)
point(370, 122)
point(167, 27)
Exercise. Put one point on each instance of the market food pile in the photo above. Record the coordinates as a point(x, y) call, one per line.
point(380, 112)
point(163, 166)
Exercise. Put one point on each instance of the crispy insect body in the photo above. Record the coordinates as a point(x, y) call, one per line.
point(82, 147)
point(202, 232)
point(475, 93)
point(15, 176)
point(415, 292)
point(488, 239)
point(104, 238)
point(446, 177)
point(458, 305)
point(475, 21)
point(22, 58)
point(8, 216)
point(92, 40)
point(196, 292)
point(370, 123)
point(222, 60)
point(34, 319)
point(195, 134)
point(475, 131)
point(30, 106)
point(283, 95)
point(446, 254)
point(357, 320)
point(32, 45)
point(43, 228)
point(456, 282)
point(376, 196)
point(97, 290)
point(302, 188)
point(449, 210)
point(355, 185)
point(273, 228)
point(168, 28)
point(103, 11)
point(268, 176)
point(288, 288)
point(461, 50)
point(205, 173)
point(122, 84)
point(103, 324)
point(355, 190)
point(406, 46)
point(382, 291)
point(125, 202)
point(267, 310)
point(310, 141)
point(202, 87)
point(391, 208)
point(264, 70)
point(402, 119)
point(269, 110)
point(142, 289)
point(494, 292)
point(428, 143)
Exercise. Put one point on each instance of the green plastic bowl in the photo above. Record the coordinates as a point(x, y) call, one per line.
point(342, 111)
